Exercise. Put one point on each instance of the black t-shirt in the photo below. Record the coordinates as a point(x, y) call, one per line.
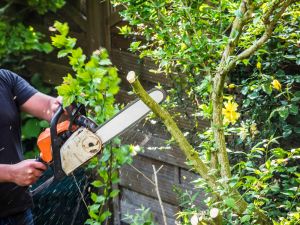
point(14, 91)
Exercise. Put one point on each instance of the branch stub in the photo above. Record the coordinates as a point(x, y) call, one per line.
point(131, 77)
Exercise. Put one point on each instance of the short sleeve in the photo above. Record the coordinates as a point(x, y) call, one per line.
point(20, 88)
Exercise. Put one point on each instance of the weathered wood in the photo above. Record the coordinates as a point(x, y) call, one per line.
point(114, 18)
point(134, 178)
point(126, 62)
point(98, 28)
point(131, 201)
point(52, 72)
point(155, 147)
point(186, 179)
point(116, 207)
point(76, 16)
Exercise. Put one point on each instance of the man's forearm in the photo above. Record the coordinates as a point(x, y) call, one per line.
point(41, 106)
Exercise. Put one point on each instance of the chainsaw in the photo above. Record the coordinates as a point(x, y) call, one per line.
point(67, 145)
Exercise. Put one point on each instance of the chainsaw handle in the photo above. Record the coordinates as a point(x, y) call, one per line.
point(56, 142)
point(55, 119)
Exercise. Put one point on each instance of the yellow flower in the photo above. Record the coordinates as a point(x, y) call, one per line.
point(231, 86)
point(258, 66)
point(229, 112)
point(253, 129)
point(183, 46)
point(276, 84)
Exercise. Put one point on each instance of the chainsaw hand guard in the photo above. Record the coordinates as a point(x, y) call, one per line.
point(52, 139)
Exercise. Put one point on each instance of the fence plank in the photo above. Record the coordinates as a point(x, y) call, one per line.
point(98, 30)
point(155, 147)
point(126, 62)
point(131, 201)
point(186, 179)
point(76, 16)
point(133, 178)
point(52, 72)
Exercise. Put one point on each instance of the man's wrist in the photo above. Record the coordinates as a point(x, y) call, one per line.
point(7, 173)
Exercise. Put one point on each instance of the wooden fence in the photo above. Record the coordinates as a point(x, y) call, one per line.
point(94, 23)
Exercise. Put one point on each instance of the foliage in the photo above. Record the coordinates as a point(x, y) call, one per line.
point(43, 6)
point(94, 83)
point(243, 52)
point(18, 40)
point(142, 217)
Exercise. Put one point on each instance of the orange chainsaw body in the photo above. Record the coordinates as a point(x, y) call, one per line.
point(44, 140)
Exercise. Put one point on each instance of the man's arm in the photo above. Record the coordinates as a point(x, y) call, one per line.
point(28, 171)
point(41, 106)
point(23, 173)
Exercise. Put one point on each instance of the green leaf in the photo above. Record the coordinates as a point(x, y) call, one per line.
point(104, 216)
point(114, 193)
point(135, 45)
point(245, 218)
point(31, 128)
point(62, 53)
point(283, 112)
point(294, 109)
point(267, 88)
point(97, 183)
point(94, 207)
point(44, 124)
point(47, 48)
point(230, 202)
point(279, 152)
point(94, 197)
point(62, 28)
point(105, 62)
point(297, 130)
point(296, 97)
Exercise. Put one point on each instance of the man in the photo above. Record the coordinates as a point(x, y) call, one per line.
point(16, 174)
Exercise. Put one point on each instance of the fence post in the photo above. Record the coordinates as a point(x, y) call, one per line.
point(98, 32)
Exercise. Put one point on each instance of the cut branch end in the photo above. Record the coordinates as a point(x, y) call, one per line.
point(131, 77)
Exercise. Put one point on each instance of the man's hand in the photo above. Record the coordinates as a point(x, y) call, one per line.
point(26, 172)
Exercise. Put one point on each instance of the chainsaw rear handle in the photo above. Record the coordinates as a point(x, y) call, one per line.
point(56, 143)
point(54, 121)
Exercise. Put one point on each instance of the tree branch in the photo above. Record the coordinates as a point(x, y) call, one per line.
point(191, 154)
point(158, 194)
point(262, 40)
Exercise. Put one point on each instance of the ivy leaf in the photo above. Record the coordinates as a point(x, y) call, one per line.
point(283, 112)
point(97, 183)
point(267, 88)
point(62, 53)
point(105, 62)
point(245, 218)
point(104, 215)
point(230, 203)
point(134, 46)
point(114, 193)
point(294, 109)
